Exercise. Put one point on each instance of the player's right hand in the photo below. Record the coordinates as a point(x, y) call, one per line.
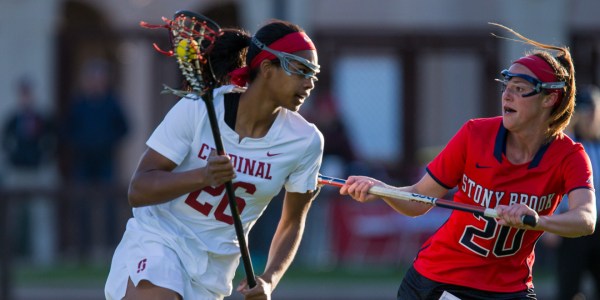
point(262, 290)
point(218, 169)
point(358, 188)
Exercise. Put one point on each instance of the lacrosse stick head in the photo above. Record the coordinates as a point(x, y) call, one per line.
point(192, 38)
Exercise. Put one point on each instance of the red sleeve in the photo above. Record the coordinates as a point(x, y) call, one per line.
point(578, 171)
point(448, 167)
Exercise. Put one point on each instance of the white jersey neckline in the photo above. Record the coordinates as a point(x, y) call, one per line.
point(230, 133)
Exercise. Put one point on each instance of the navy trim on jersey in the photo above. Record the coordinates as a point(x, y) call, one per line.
point(592, 148)
point(500, 148)
point(437, 180)
point(538, 156)
point(581, 187)
point(500, 145)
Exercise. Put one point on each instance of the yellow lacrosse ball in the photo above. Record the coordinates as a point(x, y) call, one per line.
point(185, 52)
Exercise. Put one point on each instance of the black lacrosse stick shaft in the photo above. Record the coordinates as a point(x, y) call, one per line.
point(193, 27)
point(237, 222)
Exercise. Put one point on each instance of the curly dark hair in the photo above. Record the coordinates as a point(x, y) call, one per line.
point(227, 54)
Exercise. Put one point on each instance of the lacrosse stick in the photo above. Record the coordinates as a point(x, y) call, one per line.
point(192, 36)
point(406, 196)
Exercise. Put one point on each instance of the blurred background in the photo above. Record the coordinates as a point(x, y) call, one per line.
point(399, 77)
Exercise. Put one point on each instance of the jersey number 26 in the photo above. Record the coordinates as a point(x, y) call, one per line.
point(219, 213)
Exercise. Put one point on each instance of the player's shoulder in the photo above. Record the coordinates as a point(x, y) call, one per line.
point(486, 126)
point(296, 118)
point(484, 122)
point(294, 123)
point(563, 151)
point(564, 143)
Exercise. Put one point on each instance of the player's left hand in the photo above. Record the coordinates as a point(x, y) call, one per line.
point(512, 215)
point(358, 188)
point(262, 290)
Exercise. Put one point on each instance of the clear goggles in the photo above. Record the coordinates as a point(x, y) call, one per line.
point(285, 60)
point(537, 88)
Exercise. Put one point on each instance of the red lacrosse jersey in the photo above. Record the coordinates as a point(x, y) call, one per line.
point(475, 251)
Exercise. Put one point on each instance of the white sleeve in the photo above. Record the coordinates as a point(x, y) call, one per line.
point(304, 177)
point(173, 136)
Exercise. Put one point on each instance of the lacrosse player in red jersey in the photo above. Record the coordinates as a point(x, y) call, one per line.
point(519, 163)
point(181, 244)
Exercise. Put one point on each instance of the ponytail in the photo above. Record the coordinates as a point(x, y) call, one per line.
point(228, 53)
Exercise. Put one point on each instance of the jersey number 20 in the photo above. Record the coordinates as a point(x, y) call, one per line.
point(503, 246)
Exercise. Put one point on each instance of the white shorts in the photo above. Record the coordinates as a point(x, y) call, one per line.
point(166, 262)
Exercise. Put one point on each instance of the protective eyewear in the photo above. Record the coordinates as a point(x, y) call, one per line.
point(285, 60)
point(538, 86)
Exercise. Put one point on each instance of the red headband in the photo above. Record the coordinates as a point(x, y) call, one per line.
point(290, 43)
point(542, 70)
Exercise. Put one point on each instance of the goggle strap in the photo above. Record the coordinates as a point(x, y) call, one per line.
point(553, 85)
point(536, 82)
point(283, 55)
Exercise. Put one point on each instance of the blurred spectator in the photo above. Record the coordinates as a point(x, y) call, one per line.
point(338, 152)
point(578, 257)
point(28, 141)
point(95, 125)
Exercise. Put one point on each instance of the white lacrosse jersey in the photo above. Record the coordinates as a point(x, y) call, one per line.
point(288, 155)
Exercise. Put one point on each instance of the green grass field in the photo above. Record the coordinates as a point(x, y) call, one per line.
point(376, 281)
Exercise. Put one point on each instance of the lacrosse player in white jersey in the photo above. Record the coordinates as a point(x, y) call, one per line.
point(181, 243)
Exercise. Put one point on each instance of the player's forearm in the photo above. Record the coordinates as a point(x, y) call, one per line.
point(158, 186)
point(282, 252)
point(411, 209)
point(578, 221)
point(573, 223)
